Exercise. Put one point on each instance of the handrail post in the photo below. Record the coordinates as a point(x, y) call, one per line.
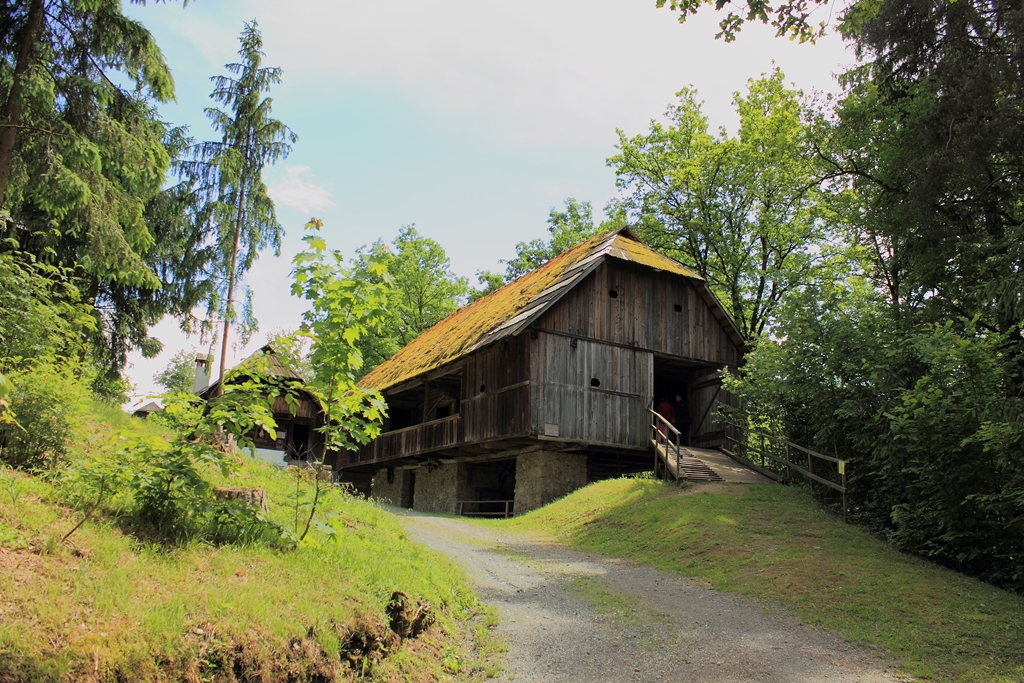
point(679, 457)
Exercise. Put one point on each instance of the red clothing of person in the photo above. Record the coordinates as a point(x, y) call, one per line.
point(667, 411)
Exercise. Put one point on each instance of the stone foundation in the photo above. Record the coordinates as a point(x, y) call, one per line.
point(398, 492)
point(440, 488)
point(545, 476)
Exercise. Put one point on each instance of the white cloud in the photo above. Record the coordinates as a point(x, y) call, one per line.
point(298, 191)
point(536, 71)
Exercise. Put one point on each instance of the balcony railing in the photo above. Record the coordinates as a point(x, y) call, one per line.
point(422, 438)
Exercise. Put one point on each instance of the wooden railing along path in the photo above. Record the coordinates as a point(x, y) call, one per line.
point(666, 441)
point(743, 448)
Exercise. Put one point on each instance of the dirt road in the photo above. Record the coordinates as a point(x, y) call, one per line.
point(570, 616)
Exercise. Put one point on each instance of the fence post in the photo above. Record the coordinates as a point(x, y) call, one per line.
point(810, 468)
point(844, 495)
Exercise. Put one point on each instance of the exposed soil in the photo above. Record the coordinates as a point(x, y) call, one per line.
point(634, 623)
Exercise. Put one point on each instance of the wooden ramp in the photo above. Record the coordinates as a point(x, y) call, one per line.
point(725, 467)
point(689, 468)
point(702, 464)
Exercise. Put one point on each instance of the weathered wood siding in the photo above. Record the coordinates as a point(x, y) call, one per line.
point(706, 395)
point(496, 391)
point(643, 314)
point(565, 403)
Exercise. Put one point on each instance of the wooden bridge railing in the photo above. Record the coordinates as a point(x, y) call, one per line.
point(743, 448)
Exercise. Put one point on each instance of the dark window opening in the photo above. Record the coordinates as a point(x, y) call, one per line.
point(595, 382)
point(613, 293)
point(677, 308)
point(443, 411)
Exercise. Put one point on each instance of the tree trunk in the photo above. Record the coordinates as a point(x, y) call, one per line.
point(231, 291)
point(10, 117)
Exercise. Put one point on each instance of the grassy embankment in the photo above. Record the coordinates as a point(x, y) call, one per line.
point(774, 543)
point(105, 606)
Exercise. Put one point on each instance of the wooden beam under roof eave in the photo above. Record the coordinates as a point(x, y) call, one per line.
point(443, 371)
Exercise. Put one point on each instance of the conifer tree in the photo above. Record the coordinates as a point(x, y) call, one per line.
point(82, 155)
point(239, 211)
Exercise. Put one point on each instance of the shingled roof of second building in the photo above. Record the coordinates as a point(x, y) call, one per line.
point(507, 311)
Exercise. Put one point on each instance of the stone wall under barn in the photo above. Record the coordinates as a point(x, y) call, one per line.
point(440, 488)
point(398, 491)
point(545, 476)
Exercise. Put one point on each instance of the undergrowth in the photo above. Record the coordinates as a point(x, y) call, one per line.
point(107, 605)
point(774, 543)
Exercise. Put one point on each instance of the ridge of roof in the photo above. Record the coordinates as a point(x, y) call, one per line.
point(511, 308)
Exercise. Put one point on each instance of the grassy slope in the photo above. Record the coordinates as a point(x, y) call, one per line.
point(105, 605)
point(774, 543)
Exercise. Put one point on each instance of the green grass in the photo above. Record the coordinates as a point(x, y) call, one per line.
point(105, 606)
point(774, 543)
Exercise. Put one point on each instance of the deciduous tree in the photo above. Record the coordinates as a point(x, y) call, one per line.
point(425, 291)
point(742, 210)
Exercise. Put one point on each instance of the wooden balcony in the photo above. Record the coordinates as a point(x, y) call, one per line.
point(418, 439)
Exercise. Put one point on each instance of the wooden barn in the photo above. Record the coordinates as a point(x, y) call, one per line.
point(297, 440)
point(548, 383)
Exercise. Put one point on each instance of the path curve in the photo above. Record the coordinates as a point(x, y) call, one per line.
point(546, 593)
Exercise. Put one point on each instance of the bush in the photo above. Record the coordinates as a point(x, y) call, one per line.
point(46, 402)
point(161, 488)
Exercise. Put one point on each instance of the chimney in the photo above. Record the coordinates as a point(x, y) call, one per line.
point(202, 379)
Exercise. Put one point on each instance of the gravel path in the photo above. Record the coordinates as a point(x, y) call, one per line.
point(570, 616)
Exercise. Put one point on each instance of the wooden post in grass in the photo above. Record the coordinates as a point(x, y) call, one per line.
point(842, 468)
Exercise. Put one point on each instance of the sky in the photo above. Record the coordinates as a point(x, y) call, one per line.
point(469, 119)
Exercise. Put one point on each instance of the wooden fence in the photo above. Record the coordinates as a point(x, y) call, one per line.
point(749, 441)
point(486, 508)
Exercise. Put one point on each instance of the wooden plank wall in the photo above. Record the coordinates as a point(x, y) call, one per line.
point(305, 408)
point(496, 391)
point(643, 314)
point(614, 413)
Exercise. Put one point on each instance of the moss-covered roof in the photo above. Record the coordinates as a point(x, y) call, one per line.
point(509, 310)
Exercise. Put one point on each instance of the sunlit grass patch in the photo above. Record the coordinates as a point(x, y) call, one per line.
point(107, 606)
point(774, 543)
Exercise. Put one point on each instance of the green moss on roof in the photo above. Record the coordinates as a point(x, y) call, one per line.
point(459, 333)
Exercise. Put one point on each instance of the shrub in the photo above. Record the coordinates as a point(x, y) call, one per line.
point(46, 402)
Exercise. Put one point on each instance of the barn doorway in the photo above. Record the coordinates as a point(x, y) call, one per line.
point(675, 378)
point(489, 489)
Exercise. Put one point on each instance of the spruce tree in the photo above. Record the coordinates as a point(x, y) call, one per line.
point(239, 212)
